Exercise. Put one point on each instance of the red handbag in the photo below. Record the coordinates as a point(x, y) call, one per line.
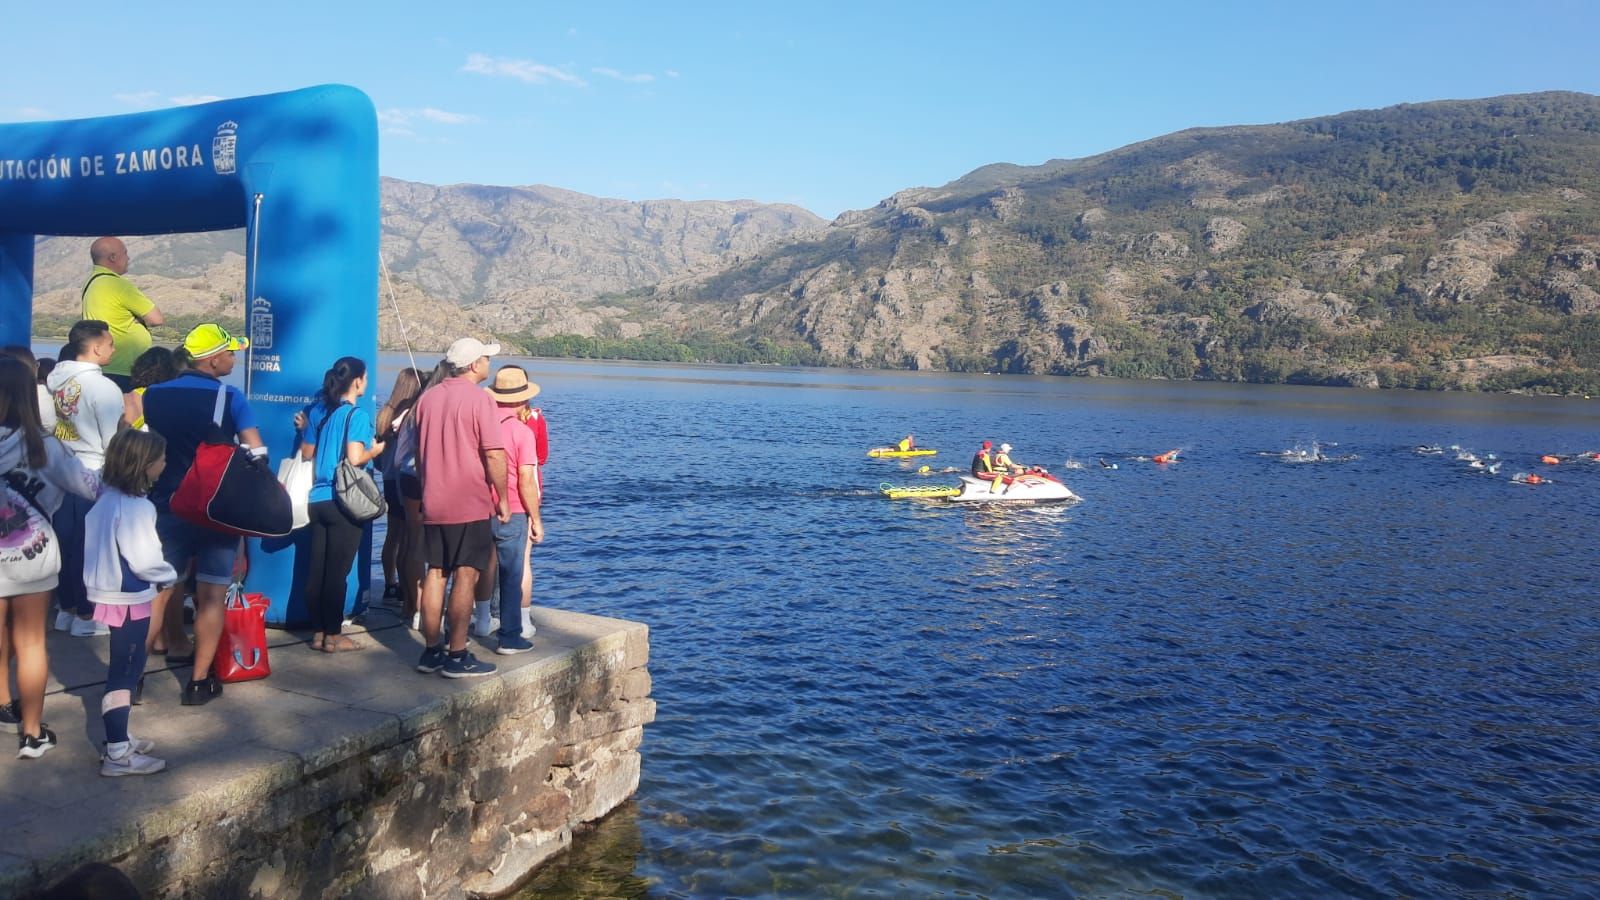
point(242, 652)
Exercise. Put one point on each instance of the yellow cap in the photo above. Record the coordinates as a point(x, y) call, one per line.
point(209, 339)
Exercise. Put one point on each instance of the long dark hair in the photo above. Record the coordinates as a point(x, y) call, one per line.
point(407, 387)
point(19, 407)
point(440, 372)
point(337, 380)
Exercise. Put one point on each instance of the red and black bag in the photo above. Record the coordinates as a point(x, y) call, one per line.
point(229, 490)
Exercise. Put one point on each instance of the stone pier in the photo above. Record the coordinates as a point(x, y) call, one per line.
point(341, 774)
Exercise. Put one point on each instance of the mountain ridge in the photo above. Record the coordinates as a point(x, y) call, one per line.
point(1443, 244)
point(1340, 249)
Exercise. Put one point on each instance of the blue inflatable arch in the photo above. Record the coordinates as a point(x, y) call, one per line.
point(298, 171)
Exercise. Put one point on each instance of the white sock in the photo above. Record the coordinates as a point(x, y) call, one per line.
point(527, 619)
point(118, 749)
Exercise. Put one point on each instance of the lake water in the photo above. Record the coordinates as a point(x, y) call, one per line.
point(1234, 675)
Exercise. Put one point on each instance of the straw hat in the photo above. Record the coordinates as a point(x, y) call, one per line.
point(511, 385)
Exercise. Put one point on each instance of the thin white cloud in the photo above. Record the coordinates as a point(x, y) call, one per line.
point(444, 117)
point(399, 122)
point(525, 70)
point(141, 99)
point(32, 113)
point(672, 73)
point(641, 78)
point(194, 99)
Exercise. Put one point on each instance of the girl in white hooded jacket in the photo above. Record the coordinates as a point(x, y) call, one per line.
point(123, 569)
point(36, 472)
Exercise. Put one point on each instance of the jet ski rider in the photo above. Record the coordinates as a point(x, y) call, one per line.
point(983, 464)
point(1003, 463)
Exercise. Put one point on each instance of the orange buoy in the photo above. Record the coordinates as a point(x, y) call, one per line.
point(1169, 456)
point(1550, 460)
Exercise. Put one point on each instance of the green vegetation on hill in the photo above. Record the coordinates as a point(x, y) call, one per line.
point(1441, 245)
point(692, 349)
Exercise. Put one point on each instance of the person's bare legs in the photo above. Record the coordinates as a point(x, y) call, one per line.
point(461, 597)
point(411, 564)
point(5, 657)
point(208, 618)
point(527, 571)
point(432, 603)
point(26, 615)
point(168, 629)
point(485, 586)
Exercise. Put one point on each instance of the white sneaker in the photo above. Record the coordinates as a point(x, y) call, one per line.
point(132, 762)
point(88, 627)
point(64, 620)
point(527, 625)
point(140, 745)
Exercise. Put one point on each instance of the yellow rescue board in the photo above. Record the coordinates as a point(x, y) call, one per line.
point(932, 492)
point(892, 453)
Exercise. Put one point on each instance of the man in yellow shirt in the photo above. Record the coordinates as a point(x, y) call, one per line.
point(113, 299)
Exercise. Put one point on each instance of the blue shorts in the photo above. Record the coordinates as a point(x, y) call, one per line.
point(212, 551)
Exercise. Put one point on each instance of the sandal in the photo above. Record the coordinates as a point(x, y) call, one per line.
point(319, 641)
point(340, 644)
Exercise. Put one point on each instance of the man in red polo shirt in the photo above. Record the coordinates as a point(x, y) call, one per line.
point(460, 457)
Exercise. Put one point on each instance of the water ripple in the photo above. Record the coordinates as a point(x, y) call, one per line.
point(1228, 677)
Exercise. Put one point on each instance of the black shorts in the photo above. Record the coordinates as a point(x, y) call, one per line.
point(411, 487)
point(462, 546)
point(123, 382)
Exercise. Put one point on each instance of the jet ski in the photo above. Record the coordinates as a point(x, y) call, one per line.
point(1034, 486)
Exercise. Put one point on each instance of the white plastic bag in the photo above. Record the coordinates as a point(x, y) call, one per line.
point(296, 476)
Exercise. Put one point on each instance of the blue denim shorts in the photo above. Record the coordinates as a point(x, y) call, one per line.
point(212, 551)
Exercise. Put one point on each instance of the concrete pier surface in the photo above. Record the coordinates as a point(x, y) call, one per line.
point(345, 774)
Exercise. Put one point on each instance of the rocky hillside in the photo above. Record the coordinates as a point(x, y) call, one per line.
point(1435, 245)
point(505, 259)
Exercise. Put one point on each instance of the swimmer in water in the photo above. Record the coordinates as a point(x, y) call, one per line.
point(1107, 465)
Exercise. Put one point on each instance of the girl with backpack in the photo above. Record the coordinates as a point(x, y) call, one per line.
point(36, 472)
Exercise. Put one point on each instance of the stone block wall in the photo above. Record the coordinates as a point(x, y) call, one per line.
point(463, 796)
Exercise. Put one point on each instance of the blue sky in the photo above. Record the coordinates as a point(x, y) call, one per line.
point(830, 106)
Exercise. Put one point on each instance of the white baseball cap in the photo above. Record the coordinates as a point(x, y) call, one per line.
point(467, 351)
point(1005, 448)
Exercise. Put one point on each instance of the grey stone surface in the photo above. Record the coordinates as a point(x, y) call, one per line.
point(341, 774)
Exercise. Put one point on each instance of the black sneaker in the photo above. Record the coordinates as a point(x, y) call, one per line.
point(466, 666)
point(432, 660)
point(30, 747)
point(391, 595)
point(11, 717)
point(514, 644)
point(199, 693)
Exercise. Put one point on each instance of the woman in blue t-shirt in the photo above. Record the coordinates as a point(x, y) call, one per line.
point(336, 429)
